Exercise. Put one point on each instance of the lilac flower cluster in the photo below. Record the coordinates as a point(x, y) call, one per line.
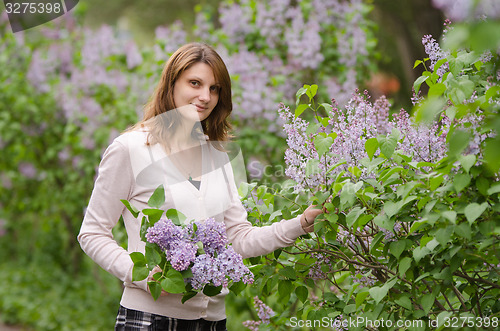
point(288, 41)
point(461, 10)
point(168, 40)
point(321, 260)
point(235, 20)
point(435, 53)
point(364, 280)
point(264, 312)
point(217, 265)
point(358, 122)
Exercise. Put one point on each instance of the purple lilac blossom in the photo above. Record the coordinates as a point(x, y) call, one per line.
point(264, 312)
point(235, 20)
point(164, 233)
point(270, 20)
point(170, 38)
point(212, 235)
point(461, 10)
point(435, 54)
point(364, 280)
point(321, 260)
point(303, 41)
point(181, 255)
point(204, 271)
point(352, 42)
point(27, 169)
point(358, 122)
point(134, 57)
point(231, 264)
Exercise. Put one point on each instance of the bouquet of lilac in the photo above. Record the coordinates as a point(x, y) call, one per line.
point(195, 257)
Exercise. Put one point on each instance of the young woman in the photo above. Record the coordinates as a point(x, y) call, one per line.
point(180, 144)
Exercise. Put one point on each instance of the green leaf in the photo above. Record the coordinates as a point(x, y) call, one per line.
point(450, 215)
point(443, 235)
point(300, 93)
point(378, 293)
point(312, 128)
point(285, 287)
point(387, 145)
point(174, 282)
point(417, 62)
point(311, 91)
point(432, 244)
point(312, 167)
point(300, 109)
point(153, 215)
point(494, 188)
point(353, 215)
point(418, 82)
point(153, 258)
point(437, 90)
point(461, 181)
point(404, 265)
point(376, 241)
point(288, 272)
point(435, 181)
point(405, 302)
point(139, 272)
point(361, 297)
point(155, 289)
point(463, 230)
point(427, 110)
point(211, 290)
point(392, 208)
point(158, 197)
point(175, 216)
point(467, 161)
point(474, 210)
point(419, 253)
point(134, 211)
point(397, 247)
point(427, 302)
point(458, 141)
point(188, 295)
point(302, 293)
point(348, 193)
point(138, 258)
point(383, 221)
point(237, 287)
point(371, 146)
point(322, 144)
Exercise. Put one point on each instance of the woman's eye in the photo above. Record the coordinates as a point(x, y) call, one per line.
point(215, 89)
point(195, 83)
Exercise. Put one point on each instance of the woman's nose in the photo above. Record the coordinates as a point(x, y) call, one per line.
point(205, 94)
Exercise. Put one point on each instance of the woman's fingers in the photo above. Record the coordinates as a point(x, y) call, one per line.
point(308, 218)
point(150, 278)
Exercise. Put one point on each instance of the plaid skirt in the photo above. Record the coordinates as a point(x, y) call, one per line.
point(134, 320)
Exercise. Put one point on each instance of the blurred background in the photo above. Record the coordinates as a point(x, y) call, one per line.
point(68, 87)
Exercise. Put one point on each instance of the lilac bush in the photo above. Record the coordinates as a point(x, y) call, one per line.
point(410, 203)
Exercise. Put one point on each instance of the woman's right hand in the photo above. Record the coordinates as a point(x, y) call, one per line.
point(150, 278)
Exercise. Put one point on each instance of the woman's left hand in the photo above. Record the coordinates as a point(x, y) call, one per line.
point(308, 217)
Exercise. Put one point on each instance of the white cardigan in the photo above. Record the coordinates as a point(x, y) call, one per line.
point(132, 170)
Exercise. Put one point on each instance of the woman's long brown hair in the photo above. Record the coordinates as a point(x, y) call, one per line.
point(216, 125)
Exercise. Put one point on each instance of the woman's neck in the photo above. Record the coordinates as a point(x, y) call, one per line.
point(182, 137)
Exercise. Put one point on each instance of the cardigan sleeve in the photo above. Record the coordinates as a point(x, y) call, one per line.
point(248, 240)
point(114, 182)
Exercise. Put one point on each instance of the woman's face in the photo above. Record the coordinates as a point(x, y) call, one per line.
point(196, 92)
